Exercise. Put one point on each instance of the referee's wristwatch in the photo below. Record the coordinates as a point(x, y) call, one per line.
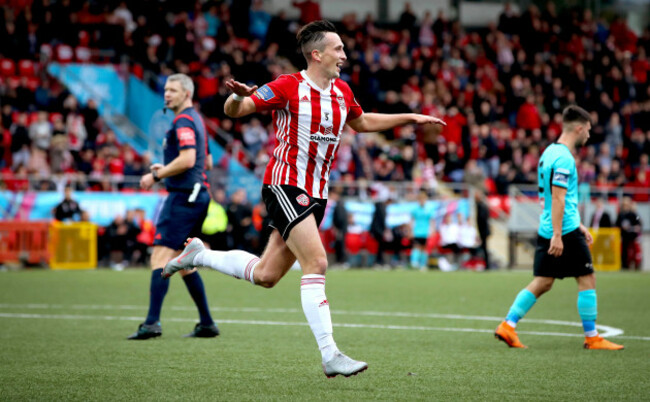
point(154, 173)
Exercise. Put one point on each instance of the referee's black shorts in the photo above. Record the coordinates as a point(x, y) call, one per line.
point(289, 205)
point(181, 217)
point(575, 259)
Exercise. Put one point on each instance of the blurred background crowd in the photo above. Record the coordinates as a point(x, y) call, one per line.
point(500, 89)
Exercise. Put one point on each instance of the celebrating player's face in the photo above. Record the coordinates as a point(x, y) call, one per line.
point(333, 56)
point(174, 95)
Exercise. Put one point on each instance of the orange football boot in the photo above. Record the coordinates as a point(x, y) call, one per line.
point(506, 333)
point(596, 342)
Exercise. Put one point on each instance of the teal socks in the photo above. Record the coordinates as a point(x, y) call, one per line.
point(588, 310)
point(523, 302)
point(415, 258)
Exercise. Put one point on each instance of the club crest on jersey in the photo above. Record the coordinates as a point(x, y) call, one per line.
point(303, 200)
point(341, 101)
point(265, 93)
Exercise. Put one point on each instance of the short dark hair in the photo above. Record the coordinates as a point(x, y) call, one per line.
point(312, 34)
point(575, 114)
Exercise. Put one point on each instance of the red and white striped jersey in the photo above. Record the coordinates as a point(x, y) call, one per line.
point(308, 122)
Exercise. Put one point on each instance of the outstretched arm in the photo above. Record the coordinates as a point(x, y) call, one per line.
point(370, 122)
point(238, 108)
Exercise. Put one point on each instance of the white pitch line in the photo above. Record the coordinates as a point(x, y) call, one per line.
point(257, 322)
point(606, 330)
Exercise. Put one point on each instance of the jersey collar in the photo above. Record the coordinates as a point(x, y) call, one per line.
point(311, 83)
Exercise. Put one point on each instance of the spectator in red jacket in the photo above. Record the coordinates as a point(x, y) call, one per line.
point(309, 11)
point(528, 116)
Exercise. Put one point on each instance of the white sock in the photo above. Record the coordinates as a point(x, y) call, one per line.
point(317, 311)
point(237, 263)
point(512, 323)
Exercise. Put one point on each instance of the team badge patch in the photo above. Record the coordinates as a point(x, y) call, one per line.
point(303, 200)
point(341, 101)
point(265, 93)
point(561, 176)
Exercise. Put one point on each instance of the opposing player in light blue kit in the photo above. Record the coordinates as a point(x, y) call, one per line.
point(421, 220)
point(562, 241)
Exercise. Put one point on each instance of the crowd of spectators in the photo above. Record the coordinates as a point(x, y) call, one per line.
point(500, 89)
point(128, 239)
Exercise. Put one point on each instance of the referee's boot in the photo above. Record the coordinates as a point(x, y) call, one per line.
point(507, 334)
point(203, 331)
point(598, 343)
point(146, 331)
point(185, 259)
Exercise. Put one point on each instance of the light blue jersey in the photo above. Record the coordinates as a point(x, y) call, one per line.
point(558, 168)
point(421, 221)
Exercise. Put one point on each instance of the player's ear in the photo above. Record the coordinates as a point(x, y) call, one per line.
point(315, 55)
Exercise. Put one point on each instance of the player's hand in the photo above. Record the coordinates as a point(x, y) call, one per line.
point(556, 247)
point(239, 88)
point(146, 181)
point(424, 119)
point(155, 166)
point(588, 236)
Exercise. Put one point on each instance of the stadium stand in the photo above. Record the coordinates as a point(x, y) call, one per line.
point(500, 89)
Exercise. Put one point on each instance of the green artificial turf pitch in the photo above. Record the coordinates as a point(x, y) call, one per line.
point(426, 336)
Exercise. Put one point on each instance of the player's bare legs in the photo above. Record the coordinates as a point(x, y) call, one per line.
point(586, 282)
point(540, 285)
point(305, 243)
point(275, 262)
